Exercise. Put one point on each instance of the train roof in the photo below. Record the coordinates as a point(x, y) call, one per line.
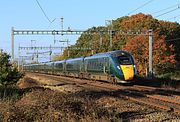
point(60, 61)
point(107, 54)
point(74, 59)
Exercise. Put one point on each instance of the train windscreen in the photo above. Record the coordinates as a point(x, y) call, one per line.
point(124, 60)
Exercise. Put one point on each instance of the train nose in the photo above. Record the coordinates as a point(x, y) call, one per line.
point(128, 71)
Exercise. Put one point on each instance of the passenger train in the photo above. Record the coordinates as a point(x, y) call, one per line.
point(116, 66)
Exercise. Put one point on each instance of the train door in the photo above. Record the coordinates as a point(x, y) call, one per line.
point(106, 66)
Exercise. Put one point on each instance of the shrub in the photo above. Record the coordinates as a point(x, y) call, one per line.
point(8, 73)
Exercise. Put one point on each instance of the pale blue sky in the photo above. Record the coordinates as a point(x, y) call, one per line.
point(77, 14)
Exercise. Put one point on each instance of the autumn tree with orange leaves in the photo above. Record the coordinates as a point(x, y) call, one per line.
point(166, 54)
point(163, 57)
point(138, 45)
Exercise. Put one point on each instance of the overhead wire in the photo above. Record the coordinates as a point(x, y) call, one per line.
point(174, 16)
point(176, 5)
point(165, 9)
point(140, 6)
point(167, 12)
point(43, 11)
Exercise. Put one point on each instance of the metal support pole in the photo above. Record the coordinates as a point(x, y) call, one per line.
point(110, 35)
point(19, 58)
point(150, 54)
point(67, 42)
point(12, 42)
point(22, 65)
point(37, 57)
point(109, 23)
point(62, 23)
point(50, 53)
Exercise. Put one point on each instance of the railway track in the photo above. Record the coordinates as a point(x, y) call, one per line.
point(157, 101)
point(140, 94)
point(160, 93)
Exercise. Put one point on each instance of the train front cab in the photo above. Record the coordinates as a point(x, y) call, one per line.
point(125, 69)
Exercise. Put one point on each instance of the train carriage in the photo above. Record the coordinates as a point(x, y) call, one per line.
point(49, 67)
point(97, 67)
point(59, 67)
point(41, 67)
point(115, 66)
point(74, 67)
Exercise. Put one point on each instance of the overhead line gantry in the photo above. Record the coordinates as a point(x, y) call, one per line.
point(50, 32)
point(79, 32)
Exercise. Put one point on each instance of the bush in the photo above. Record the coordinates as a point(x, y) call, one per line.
point(174, 75)
point(8, 73)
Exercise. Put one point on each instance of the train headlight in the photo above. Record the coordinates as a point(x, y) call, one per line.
point(135, 70)
point(118, 67)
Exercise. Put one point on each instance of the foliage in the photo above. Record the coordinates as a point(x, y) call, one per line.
point(166, 54)
point(172, 30)
point(58, 57)
point(8, 73)
point(163, 53)
point(174, 75)
point(138, 46)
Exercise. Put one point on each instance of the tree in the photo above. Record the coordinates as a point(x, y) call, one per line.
point(163, 52)
point(8, 73)
point(163, 57)
point(172, 32)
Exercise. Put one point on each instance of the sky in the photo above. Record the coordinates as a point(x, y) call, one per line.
point(77, 14)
